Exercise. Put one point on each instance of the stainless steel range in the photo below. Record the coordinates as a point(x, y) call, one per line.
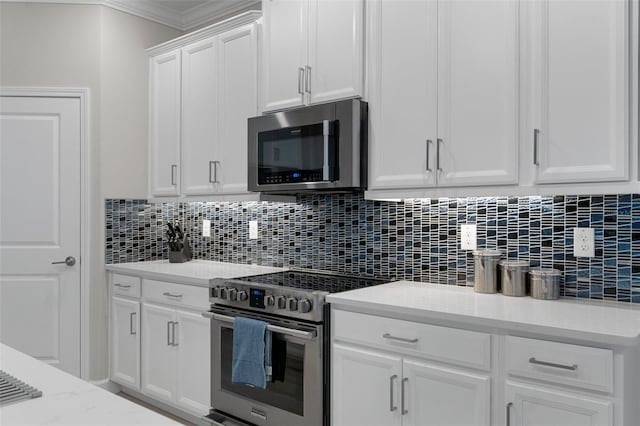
point(293, 305)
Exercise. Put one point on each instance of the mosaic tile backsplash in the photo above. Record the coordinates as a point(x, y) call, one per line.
point(415, 240)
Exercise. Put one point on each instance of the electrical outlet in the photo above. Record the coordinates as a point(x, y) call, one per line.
point(253, 229)
point(583, 242)
point(206, 228)
point(468, 237)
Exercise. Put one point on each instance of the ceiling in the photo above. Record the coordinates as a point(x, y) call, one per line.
point(181, 14)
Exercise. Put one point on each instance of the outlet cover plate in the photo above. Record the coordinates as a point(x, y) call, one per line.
point(583, 242)
point(253, 229)
point(206, 228)
point(468, 237)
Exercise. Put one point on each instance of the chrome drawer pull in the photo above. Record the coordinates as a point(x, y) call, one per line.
point(131, 323)
point(123, 285)
point(509, 405)
point(404, 410)
point(399, 339)
point(391, 406)
point(166, 293)
point(573, 367)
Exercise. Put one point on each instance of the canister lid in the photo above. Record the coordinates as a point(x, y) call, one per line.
point(514, 264)
point(545, 272)
point(487, 253)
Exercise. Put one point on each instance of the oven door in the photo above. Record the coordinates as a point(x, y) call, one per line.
point(295, 400)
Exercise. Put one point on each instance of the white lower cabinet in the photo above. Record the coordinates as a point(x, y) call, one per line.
point(529, 405)
point(125, 342)
point(175, 357)
point(372, 387)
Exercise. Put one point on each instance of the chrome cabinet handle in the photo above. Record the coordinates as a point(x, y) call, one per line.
point(122, 285)
point(536, 136)
point(307, 82)
point(174, 168)
point(131, 331)
point(211, 163)
point(301, 75)
point(391, 406)
point(509, 405)
point(69, 261)
point(215, 171)
point(573, 367)
point(404, 410)
point(399, 339)
point(438, 168)
point(429, 142)
point(166, 293)
point(169, 333)
point(173, 328)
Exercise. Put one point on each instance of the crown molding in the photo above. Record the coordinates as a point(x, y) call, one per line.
point(159, 13)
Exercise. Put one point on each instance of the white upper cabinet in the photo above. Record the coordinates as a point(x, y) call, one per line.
point(403, 96)
point(164, 135)
point(579, 86)
point(237, 101)
point(202, 94)
point(312, 52)
point(199, 116)
point(443, 96)
point(477, 92)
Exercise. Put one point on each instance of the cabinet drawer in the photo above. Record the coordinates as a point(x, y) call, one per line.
point(176, 294)
point(562, 363)
point(450, 345)
point(125, 285)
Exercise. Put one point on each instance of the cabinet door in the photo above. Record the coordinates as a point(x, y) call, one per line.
point(440, 396)
point(125, 342)
point(237, 100)
point(478, 92)
point(284, 53)
point(336, 50)
point(365, 387)
point(580, 89)
point(193, 338)
point(164, 107)
point(402, 93)
point(199, 117)
point(537, 406)
point(158, 355)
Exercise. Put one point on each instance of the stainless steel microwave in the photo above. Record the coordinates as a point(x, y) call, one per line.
point(316, 148)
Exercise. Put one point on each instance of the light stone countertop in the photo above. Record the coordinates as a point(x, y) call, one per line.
point(597, 321)
point(203, 273)
point(66, 399)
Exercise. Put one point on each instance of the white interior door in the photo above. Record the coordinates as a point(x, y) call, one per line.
point(40, 169)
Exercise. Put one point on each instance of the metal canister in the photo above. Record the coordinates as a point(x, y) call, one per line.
point(486, 271)
point(545, 283)
point(514, 276)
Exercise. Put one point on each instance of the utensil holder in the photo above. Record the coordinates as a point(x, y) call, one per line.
point(184, 254)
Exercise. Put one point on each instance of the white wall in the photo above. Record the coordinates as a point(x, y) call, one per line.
point(56, 45)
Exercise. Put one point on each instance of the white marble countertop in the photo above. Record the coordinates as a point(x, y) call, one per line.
point(66, 399)
point(604, 322)
point(202, 273)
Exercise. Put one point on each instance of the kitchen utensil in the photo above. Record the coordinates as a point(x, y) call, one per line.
point(486, 271)
point(545, 283)
point(514, 278)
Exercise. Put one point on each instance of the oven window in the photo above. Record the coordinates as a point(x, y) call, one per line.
point(296, 154)
point(287, 394)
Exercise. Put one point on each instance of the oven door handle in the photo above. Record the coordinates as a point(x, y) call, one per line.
point(308, 335)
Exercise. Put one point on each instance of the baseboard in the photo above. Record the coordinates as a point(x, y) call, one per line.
point(200, 421)
point(107, 385)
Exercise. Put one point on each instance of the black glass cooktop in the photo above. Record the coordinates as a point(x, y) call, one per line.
point(314, 281)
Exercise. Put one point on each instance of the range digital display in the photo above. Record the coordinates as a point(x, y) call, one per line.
point(256, 298)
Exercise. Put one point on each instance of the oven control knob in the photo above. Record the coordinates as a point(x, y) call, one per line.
point(232, 294)
point(293, 303)
point(222, 293)
point(269, 300)
point(215, 292)
point(304, 306)
point(281, 302)
point(242, 295)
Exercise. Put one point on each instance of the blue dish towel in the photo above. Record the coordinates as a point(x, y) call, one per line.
point(248, 363)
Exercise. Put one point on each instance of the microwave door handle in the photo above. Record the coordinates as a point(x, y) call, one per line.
point(308, 335)
point(325, 165)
